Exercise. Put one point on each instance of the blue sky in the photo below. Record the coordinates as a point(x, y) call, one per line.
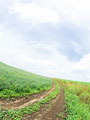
point(50, 37)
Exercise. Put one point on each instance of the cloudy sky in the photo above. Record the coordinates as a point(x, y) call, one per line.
point(47, 37)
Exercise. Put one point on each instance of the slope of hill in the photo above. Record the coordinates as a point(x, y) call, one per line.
point(17, 83)
point(67, 100)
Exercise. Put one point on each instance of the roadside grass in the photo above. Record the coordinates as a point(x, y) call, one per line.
point(77, 96)
point(60, 115)
point(18, 83)
point(19, 113)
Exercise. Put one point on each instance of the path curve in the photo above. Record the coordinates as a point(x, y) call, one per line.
point(45, 113)
point(24, 102)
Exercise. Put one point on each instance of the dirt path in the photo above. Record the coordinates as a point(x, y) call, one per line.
point(55, 110)
point(24, 102)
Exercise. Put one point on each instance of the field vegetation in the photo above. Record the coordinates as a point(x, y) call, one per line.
point(19, 113)
point(17, 83)
point(77, 95)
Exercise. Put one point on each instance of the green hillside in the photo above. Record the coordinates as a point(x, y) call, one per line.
point(17, 83)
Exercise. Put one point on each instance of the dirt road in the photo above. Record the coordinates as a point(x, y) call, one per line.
point(55, 110)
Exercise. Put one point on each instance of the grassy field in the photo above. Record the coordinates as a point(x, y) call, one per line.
point(17, 83)
point(19, 113)
point(77, 95)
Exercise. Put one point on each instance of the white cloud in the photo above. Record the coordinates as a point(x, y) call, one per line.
point(76, 12)
point(34, 13)
point(16, 51)
point(83, 64)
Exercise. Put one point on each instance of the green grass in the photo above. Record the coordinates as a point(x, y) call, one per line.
point(60, 114)
point(77, 95)
point(17, 83)
point(19, 113)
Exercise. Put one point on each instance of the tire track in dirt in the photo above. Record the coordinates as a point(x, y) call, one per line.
point(24, 102)
point(55, 110)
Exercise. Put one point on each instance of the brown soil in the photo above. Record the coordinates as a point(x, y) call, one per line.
point(24, 102)
point(55, 110)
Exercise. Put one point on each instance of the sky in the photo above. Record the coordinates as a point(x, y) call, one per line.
point(50, 37)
